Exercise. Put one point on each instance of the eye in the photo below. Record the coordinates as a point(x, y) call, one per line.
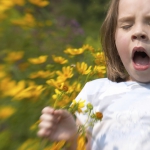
point(148, 22)
point(126, 27)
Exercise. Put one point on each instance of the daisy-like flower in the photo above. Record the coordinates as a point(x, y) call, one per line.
point(83, 68)
point(59, 59)
point(19, 2)
point(14, 56)
point(6, 111)
point(57, 94)
point(74, 51)
point(17, 88)
point(40, 3)
point(54, 83)
point(38, 60)
point(100, 71)
point(4, 5)
point(27, 21)
point(64, 87)
point(41, 74)
point(81, 143)
point(6, 85)
point(2, 74)
point(56, 145)
point(75, 87)
point(67, 72)
point(77, 106)
point(33, 91)
point(88, 47)
point(99, 58)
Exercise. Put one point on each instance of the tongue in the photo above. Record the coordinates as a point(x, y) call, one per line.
point(139, 60)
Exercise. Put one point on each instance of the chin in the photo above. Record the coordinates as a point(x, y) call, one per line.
point(141, 80)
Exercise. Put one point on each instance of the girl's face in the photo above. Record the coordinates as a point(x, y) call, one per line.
point(132, 38)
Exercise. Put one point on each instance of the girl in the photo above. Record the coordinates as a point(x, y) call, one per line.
point(124, 96)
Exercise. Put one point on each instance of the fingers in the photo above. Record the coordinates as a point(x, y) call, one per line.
point(49, 118)
point(46, 125)
point(62, 113)
point(48, 122)
point(43, 132)
point(55, 123)
point(48, 110)
point(59, 112)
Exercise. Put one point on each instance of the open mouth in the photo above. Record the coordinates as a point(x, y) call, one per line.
point(140, 57)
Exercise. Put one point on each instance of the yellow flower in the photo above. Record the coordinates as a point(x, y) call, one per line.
point(83, 68)
point(65, 74)
point(14, 56)
point(99, 58)
point(27, 21)
point(39, 60)
point(2, 74)
point(100, 71)
point(75, 87)
point(40, 3)
point(81, 143)
point(54, 83)
point(73, 51)
point(30, 92)
point(6, 85)
point(19, 2)
point(77, 106)
point(57, 94)
point(5, 4)
point(64, 87)
point(56, 145)
point(99, 55)
point(88, 47)
point(41, 74)
point(59, 59)
point(6, 111)
point(16, 89)
point(65, 100)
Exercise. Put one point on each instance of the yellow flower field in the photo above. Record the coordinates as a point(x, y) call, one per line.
point(40, 66)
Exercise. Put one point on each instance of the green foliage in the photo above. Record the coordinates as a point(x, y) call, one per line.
point(38, 31)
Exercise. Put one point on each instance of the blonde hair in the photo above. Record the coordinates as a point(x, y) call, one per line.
point(115, 68)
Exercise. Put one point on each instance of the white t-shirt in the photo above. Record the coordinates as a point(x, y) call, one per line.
point(126, 114)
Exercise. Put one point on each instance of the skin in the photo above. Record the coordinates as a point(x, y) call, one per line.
point(133, 32)
point(57, 125)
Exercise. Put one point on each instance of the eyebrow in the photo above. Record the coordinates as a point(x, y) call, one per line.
point(147, 17)
point(126, 19)
point(130, 18)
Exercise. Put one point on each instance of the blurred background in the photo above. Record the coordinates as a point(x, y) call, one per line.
point(32, 34)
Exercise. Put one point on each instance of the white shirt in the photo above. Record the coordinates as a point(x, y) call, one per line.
point(126, 114)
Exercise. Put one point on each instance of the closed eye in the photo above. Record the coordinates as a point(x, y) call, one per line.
point(126, 27)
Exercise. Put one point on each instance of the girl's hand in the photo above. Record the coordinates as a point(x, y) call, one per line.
point(57, 125)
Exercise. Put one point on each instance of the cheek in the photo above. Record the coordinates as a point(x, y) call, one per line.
point(122, 45)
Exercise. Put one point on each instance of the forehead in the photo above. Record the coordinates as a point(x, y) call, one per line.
point(131, 7)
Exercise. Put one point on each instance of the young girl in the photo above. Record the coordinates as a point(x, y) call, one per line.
point(123, 97)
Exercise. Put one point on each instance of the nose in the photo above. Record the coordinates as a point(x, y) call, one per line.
point(139, 35)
